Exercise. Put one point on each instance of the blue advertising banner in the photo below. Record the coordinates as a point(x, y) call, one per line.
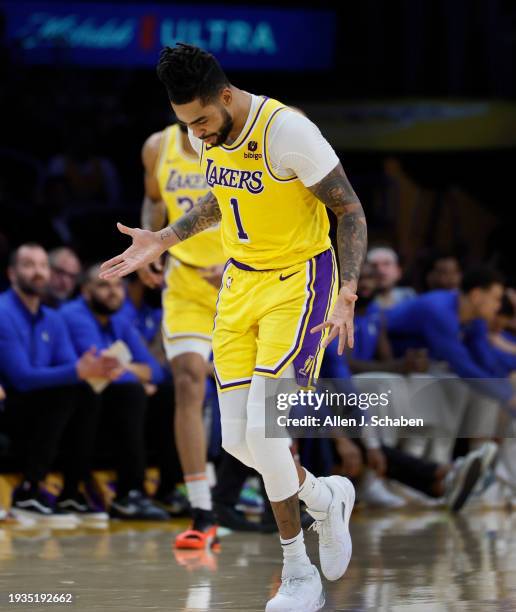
point(95, 34)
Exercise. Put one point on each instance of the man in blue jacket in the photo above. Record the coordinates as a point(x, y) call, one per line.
point(437, 320)
point(466, 395)
point(41, 372)
point(487, 343)
point(94, 319)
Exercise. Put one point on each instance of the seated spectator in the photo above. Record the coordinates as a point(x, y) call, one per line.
point(142, 306)
point(372, 354)
point(453, 482)
point(443, 272)
point(501, 332)
point(436, 321)
point(386, 264)
point(41, 372)
point(94, 320)
point(65, 269)
point(489, 347)
point(372, 350)
point(463, 396)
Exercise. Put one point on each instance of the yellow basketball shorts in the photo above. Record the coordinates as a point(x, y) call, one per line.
point(264, 318)
point(188, 310)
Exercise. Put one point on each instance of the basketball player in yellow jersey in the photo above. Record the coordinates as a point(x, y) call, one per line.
point(174, 182)
point(271, 174)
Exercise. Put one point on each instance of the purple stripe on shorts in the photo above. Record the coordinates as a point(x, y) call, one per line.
point(319, 348)
point(324, 275)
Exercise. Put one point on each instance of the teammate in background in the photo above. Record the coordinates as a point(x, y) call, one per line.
point(270, 172)
point(443, 271)
point(41, 371)
point(94, 319)
point(386, 263)
point(174, 182)
point(65, 269)
point(439, 320)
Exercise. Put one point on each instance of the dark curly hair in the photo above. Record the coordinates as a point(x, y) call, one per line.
point(481, 277)
point(189, 73)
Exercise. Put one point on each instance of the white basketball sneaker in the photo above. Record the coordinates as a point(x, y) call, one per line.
point(461, 480)
point(333, 527)
point(298, 594)
point(488, 453)
point(469, 474)
point(374, 492)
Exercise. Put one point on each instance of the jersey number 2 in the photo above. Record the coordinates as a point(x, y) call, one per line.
point(241, 232)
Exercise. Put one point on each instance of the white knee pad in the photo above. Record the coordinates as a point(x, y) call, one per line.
point(272, 457)
point(233, 421)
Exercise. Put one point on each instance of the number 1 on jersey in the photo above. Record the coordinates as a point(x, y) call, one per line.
point(241, 232)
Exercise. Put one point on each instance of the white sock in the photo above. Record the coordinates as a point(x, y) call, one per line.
point(316, 495)
point(295, 559)
point(198, 490)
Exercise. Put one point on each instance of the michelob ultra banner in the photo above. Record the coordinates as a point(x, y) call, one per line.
point(98, 34)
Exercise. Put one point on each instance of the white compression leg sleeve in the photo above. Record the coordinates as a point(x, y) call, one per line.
point(272, 457)
point(233, 422)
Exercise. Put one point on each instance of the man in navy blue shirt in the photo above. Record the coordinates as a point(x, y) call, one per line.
point(94, 319)
point(41, 372)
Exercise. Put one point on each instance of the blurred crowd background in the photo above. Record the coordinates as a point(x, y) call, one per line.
point(416, 96)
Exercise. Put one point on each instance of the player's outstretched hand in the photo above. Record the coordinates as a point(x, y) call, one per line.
point(340, 322)
point(145, 249)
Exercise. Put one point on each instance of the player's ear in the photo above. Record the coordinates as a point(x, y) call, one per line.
point(226, 96)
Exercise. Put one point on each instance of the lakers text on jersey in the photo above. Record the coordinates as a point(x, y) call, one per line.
point(268, 221)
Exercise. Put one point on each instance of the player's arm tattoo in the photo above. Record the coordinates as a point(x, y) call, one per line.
point(203, 215)
point(154, 214)
point(336, 192)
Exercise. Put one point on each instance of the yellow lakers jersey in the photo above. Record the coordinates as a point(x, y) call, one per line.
point(182, 183)
point(268, 221)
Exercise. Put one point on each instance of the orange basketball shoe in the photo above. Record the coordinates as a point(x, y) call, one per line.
point(202, 535)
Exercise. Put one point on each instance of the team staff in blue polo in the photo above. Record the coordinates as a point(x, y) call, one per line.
point(41, 372)
point(95, 319)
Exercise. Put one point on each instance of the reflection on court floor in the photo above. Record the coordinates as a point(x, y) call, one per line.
point(424, 562)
